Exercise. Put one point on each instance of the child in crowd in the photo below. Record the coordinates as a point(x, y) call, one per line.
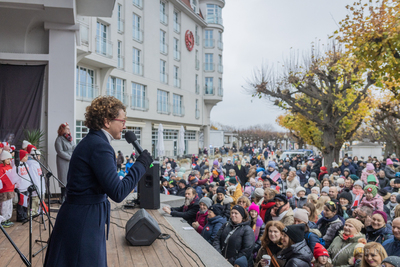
point(371, 199)
point(321, 257)
point(6, 189)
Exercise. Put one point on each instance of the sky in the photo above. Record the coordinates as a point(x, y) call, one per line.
point(264, 32)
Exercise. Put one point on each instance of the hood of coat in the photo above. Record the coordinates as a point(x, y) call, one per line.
point(217, 219)
point(227, 199)
point(299, 251)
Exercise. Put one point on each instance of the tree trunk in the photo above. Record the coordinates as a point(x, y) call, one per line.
point(328, 150)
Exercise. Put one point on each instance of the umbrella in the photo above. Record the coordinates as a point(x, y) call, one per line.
point(181, 147)
point(160, 143)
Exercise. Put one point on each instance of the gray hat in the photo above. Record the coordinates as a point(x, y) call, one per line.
point(207, 201)
point(346, 170)
point(313, 175)
point(325, 189)
point(360, 183)
point(347, 160)
point(394, 260)
point(259, 192)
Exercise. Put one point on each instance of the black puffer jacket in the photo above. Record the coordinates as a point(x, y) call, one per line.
point(226, 205)
point(297, 255)
point(240, 242)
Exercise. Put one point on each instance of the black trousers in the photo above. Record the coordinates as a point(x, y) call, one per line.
point(119, 167)
point(22, 212)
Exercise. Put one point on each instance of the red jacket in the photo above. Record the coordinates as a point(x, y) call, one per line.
point(7, 185)
point(264, 207)
point(202, 220)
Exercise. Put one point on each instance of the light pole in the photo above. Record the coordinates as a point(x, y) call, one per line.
point(286, 139)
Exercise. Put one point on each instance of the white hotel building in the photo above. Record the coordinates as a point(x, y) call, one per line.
point(162, 59)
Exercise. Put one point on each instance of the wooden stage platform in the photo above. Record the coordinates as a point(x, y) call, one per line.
point(170, 252)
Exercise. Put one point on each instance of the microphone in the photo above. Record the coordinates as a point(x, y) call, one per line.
point(16, 159)
point(132, 139)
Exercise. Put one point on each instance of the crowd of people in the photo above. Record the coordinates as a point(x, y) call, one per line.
point(294, 211)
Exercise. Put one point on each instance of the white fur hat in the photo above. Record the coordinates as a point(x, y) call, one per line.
point(5, 155)
point(25, 144)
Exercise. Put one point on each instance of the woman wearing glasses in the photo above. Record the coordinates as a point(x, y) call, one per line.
point(330, 222)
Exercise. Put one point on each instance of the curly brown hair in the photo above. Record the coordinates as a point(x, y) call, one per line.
point(102, 107)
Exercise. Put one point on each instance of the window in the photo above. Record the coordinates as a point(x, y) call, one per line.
point(209, 86)
point(197, 86)
point(220, 89)
point(170, 134)
point(194, 5)
point(209, 41)
point(137, 62)
point(214, 14)
point(139, 100)
point(177, 105)
point(103, 46)
point(120, 19)
point(163, 15)
point(138, 3)
point(137, 33)
point(190, 135)
point(163, 43)
point(81, 131)
point(220, 43)
point(197, 111)
point(220, 66)
point(136, 130)
point(177, 54)
point(196, 31)
point(85, 84)
point(120, 57)
point(116, 88)
point(177, 26)
point(209, 63)
point(162, 102)
point(163, 72)
point(197, 60)
point(177, 81)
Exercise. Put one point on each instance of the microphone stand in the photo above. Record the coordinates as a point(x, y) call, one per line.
point(24, 259)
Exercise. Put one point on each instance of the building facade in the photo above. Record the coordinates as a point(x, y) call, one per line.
point(163, 60)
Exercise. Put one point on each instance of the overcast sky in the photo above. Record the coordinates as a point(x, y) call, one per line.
point(259, 31)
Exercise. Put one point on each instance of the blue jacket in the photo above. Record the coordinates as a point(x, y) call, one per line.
point(379, 235)
point(212, 227)
point(78, 237)
point(392, 247)
point(311, 240)
point(350, 167)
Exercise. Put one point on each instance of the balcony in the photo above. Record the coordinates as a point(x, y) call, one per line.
point(197, 64)
point(84, 30)
point(177, 82)
point(220, 91)
point(177, 27)
point(124, 98)
point(121, 63)
point(86, 91)
point(197, 113)
point(177, 55)
point(163, 108)
point(121, 23)
point(209, 67)
point(164, 49)
point(138, 3)
point(139, 103)
point(164, 18)
point(164, 78)
point(209, 43)
point(214, 19)
point(220, 45)
point(220, 68)
point(178, 111)
point(209, 90)
point(137, 68)
point(197, 88)
point(137, 34)
point(197, 40)
point(104, 47)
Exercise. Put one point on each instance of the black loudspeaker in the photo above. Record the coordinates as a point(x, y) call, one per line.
point(142, 229)
point(149, 188)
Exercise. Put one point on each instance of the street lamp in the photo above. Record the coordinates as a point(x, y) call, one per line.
point(286, 139)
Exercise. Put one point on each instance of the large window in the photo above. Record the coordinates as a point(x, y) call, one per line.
point(209, 88)
point(80, 131)
point(137, 62)
point(177, 81)
point(138, 3)
point(190, 135)
point(162, 102)
point(197, 110)
point(170, 134)
point(120, 56)
point(197, 61)
point(209, 62)
point(196, 83)
point(178, 109)
point(139, 100)
point(120, 19)
point(214, 14)
point(116, 88)
point(177, 53)
point(103, 45)
point(137, 33)
point(136, 130)
point(163, 42)
point(220, 89)
point(209, 40)
point(196, 31)
point(195, 5)
point(177, 26)
point(163, 71)
point(163, 15)
point(220, 43)
point(220, 66)
point(85, 84)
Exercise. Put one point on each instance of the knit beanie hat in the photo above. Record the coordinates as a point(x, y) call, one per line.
point(316, 188)
point(397, 181)
point(29, 148)
point(354, 177)
point(320, 251)
point(370, 167)
point(281, 197)
point(313, 175)
point(241, 262)
point(207, 201)
point(359, 182)
point(323, 168)
point(290, 190)
point(346, 195)
point(173, 182)
point(252, 180)
point(163, 180)
point(325, 189)
point(217, 209)
point(356, 223)
point(359, 248)
point(393, 260)
point(220, 189)
point(299, 189)
point(389, 162)
point(371, 178)
point(302, 215)
point(240, 209)
point(383, 214)
point(259, 192)
point(215, 162)
point(232, 180)
point(371, 189)
point(193, 180)
point(182, 181)
point(255, 207)
point(271, 164)
point(25, 144)
point(340, 181)
point(22, 154)
point(295, 232)
point(311, 179)
point(5, 155)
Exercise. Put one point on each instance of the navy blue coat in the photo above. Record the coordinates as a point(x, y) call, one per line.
point(79, 236)
point(212, 227)
point(392, 246)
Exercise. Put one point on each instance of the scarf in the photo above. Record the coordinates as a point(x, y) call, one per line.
point(325, 220)
point(275, 212)
point(345, 237)
point(68, 137)
point(357, 191)
point(266, 205)
point(186, 207)
point(391, 205)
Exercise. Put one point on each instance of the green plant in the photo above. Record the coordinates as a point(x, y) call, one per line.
point(35, 137)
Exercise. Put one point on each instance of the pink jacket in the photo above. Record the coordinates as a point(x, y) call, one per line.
point(376, 203)
point(202, 220)
point(364, 176)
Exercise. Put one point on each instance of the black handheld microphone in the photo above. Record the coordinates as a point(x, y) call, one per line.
point(132, 139)
point(16, 159)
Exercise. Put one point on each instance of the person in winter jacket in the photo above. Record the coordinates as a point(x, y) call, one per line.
point(378, 231)
point(303, 175)
point(234, 189)
point(301, 217)
point(172, 187)
point(282, 211)
point(346, 201)
point(201, 216)
point(391, 205)
point(343, 245)
point(257, 225)
point(389, 169)
point(236, 238)
point(323, 171)
point(383, 181)
point(270, 244)
point(369, 170)
point(309, 185)
point(374, 254)
point(372, 199)
point(392, 246)
point(291, 181)
point(228, 166)
point(225, 201)
point(330, 222)
point(182, 186)
point(267, 205)
point(321, 257)
point(300, 199)
point(295, 250)
point(188, 210)
point(6, 190)
point(346, 164)
point(214, 223)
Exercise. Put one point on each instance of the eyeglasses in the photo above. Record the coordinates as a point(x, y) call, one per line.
point(123, 121)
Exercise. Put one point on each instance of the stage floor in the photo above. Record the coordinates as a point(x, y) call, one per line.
point(171, 252)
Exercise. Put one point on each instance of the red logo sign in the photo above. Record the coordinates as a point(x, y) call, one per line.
point(207, 228)
point(189, 40)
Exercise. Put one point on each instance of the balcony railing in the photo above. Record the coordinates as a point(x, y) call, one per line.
point(137, 68)
point(197, 40)
point(163, 48)
point(197, 87)
point(164, 78)
point(209, 43)
point(177, 82)
point(104, 47)
point(164, 18)
point(209, 90)
point(137, 34)
point(86, 91)
point(197, 113)
point(214, 19)
point(197, 64)
point(177, 55)
point(121, 62)
point(163, 107)
point(220, 45)
point(121, 23)
point(220, 91)
point(178, 111)
point(124, 98)
point(84, 29)
point(177, 27)
point(209, 67)
point(138, 3)
point(220, 68)
point(139, 103)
